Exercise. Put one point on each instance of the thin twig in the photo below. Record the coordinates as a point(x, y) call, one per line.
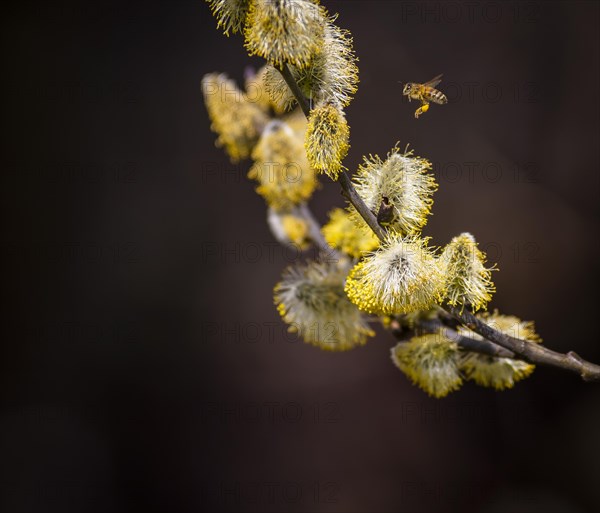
point(481, 346)
point(359, 205)
point(344, 179)
point(529, 351)
point(315, 233)
point(293, 85)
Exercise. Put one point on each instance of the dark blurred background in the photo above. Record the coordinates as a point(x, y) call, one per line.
point(144, 367)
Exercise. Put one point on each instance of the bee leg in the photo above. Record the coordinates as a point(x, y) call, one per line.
point(421, 109)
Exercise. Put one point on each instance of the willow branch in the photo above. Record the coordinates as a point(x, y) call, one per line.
point(436, 326)
point(353, 197)
point(344, 180)
point(526, 350)
point(315, 232)
point(482, 346)
point(293, 85)
point(523, 349)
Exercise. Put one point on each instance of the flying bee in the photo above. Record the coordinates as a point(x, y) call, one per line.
point(425, 93)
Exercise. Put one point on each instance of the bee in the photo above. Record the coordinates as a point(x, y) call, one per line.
point(385, 216)
point(425, 93)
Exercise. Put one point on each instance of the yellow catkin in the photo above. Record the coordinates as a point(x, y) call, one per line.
point(430, 362)
point(468, 282)
point(342, 233)
point(281, 169)
point(311, 299)
point(495, 372)
point(237, 121)
point(330, 76)
point(256, 91)
point(407, 183)
point(285, 31)
point(400, 277)
point(230, 14)
point(326, 140)
point(296, 230)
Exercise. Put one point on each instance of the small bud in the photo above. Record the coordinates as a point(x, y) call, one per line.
point(385, 215)
point(430, 362)
point(467, 280)
point(326, 139)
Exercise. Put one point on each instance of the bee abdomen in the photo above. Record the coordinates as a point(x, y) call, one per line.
point(437, 96)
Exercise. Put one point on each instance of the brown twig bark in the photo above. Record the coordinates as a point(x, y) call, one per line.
point(529, 351)
point(475, 345)
point(315, 232)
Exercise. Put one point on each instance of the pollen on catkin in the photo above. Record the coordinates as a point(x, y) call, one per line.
point(256, 92)
point(230, 14)
point(342, 233)
point(467, 280)
point(498, 372)
point(330, 76)
point(310, 298)
point(289, 228)
point(285, 31)
point(430, 362)
point(297, 121)
point(405, 180)
point(237, 121)
point(326, 139)
point(400, 277)
point(285, 178)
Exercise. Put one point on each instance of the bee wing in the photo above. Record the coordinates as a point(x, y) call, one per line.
point(434, 81)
